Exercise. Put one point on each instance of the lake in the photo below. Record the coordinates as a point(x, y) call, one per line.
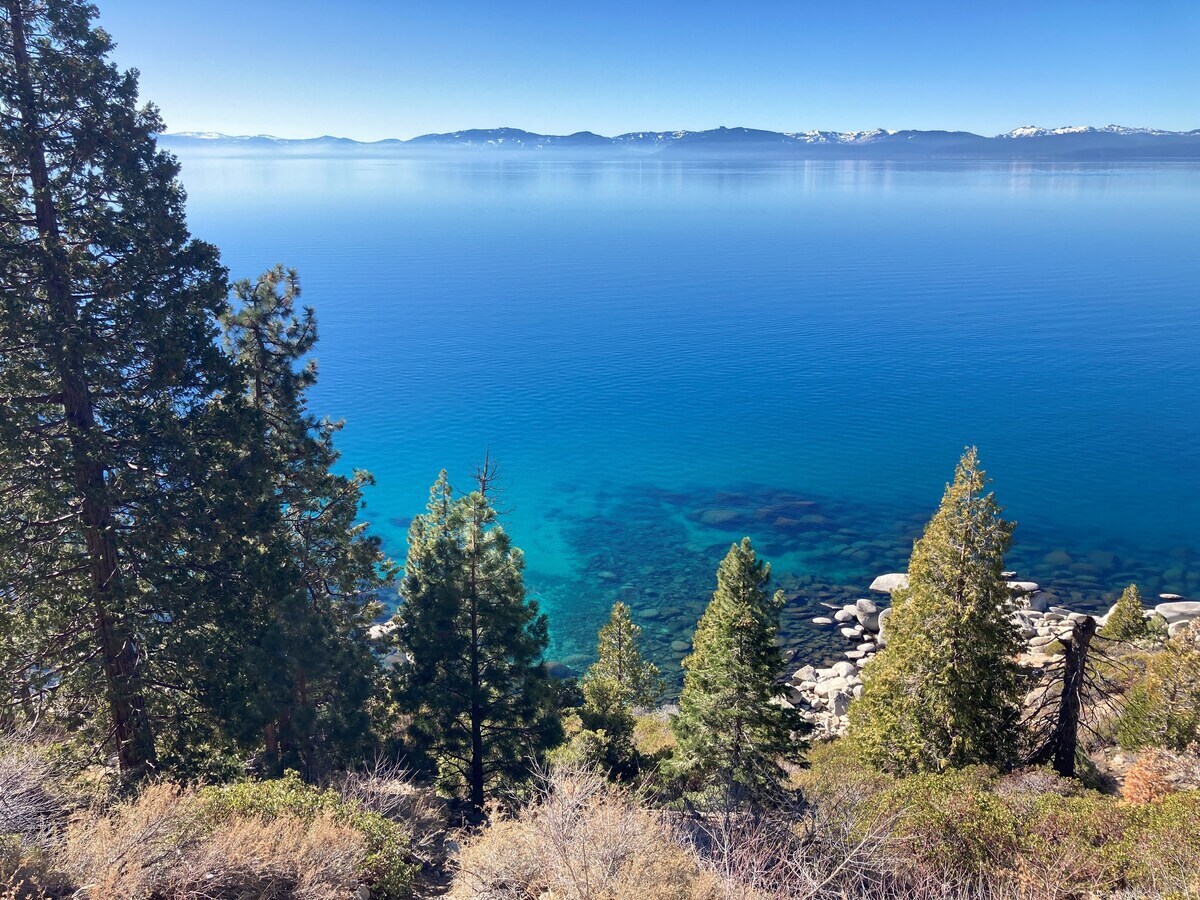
point(663, 357)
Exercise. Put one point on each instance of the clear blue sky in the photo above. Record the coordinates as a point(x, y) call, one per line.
point(370, 69)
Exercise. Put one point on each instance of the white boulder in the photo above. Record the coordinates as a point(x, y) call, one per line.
point(893, 581)
point(1176, 611)
point(1024, 587)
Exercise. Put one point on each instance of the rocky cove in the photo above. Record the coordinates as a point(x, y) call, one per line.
point(822, 694)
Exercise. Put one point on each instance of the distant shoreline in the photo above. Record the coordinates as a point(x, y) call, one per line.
point(1111, 143)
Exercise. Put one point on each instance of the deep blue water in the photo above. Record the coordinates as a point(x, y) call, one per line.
point(664, 357)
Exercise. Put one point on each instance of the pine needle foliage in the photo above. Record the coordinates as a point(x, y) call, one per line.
point(315, 675)
point(626, 676)
point(945, 691)
point(1127, 621)
point(620, 680)
point(128, 496)
point(731, 735)
point(474, 681)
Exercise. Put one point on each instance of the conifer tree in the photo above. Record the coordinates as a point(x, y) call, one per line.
point(126, 493)
point(316, 670)
point(620, 671)
point(474, 676)
point(619, 680)
point(731, 736)
point(1127, 621)
point(945, 690)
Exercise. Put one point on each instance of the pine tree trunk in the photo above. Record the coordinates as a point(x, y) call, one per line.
point(476, 777)
point(130, 725)
point(1066, 732)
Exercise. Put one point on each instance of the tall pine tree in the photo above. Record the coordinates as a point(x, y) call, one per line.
point(474, 676)
point(125, 491)
point(731, 736)
point(316, 671)
point(945, 690)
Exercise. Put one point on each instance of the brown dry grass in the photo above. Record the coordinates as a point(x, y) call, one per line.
point(582, 840)
point(159, 846)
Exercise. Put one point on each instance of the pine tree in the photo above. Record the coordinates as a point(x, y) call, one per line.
point(317, 672)
point(731, 735)
point(1127, 620)
point(474, 641)
point(945, 690)
point(620, 680)
point(627, 677)
point(126, 494)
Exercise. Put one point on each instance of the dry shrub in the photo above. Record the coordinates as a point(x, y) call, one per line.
point(583, 839)
point(128, 852)
point(388, 789)
point(285, 857)
point(29, 806)
point(162, 846)
point(1037, 781)
point(1148, 779)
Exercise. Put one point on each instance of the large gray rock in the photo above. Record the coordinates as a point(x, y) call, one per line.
point(867, 613)
point(839, 703)
point(1023, 587)
point(831, 687)
point(843, 669)
point(805, 673)
point(382, 630)
point(1179, 610)
point(893, 581)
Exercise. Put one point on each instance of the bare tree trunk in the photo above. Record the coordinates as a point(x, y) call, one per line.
point(130, 725)
point(1065, 741)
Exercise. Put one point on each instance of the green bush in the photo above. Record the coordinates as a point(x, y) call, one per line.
point(953, 822)
point(389, 868)
point(1161, 844)
point(1162, 706)
point(586, 749)
point(1066, 843)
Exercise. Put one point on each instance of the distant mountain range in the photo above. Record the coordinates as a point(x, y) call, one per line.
point(1077, 142)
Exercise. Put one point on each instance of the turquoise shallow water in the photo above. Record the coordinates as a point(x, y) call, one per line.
point(664, 357)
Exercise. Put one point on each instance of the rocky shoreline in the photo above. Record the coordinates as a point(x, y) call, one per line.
point(822, 694)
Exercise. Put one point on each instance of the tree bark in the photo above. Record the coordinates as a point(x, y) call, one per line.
point(130, 725)
point(1065, 741)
